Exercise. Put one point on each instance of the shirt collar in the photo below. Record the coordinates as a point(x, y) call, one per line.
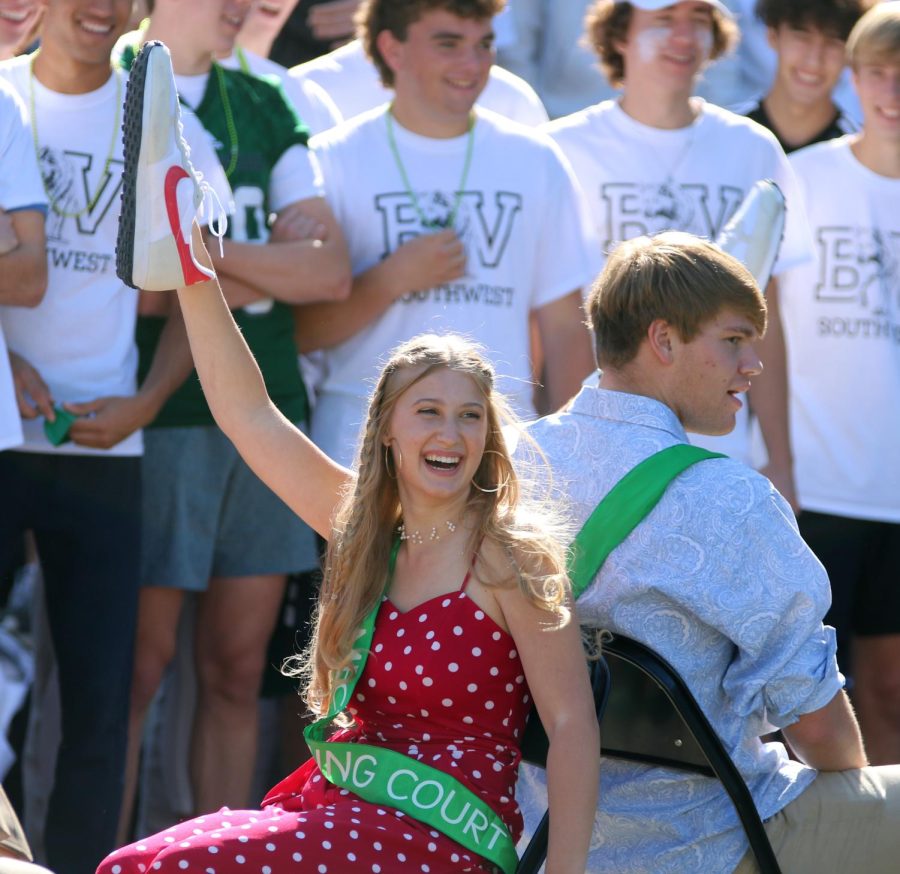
point(619, 406)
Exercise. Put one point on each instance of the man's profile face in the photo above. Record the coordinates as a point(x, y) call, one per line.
point(669, 45)
point(444, 62)
point(712, 371)
point(810, 62)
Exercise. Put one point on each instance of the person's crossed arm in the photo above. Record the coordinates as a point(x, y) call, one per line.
point(304, 260)
point(23, 258)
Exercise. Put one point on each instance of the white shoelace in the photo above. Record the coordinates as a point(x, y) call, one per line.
point(209, 203)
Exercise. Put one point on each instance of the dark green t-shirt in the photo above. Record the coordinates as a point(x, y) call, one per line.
point(265, 126)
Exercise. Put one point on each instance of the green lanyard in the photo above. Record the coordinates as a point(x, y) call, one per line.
point(450, 220)
point(624, 506)
point(104, 175)
point(386, 777)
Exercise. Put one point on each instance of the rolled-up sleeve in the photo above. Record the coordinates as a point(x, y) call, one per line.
point(785, 662)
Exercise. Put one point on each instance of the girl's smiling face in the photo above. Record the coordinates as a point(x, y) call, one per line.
point(437, 433)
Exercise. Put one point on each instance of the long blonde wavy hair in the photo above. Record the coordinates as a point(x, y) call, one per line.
point(365, 527)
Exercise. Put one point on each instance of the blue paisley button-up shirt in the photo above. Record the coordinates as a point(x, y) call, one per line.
point(718, 581)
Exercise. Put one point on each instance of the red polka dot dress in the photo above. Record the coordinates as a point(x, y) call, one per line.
point(442, 684)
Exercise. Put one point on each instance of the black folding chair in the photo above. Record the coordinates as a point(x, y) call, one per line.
point(534, 751)
point(652, 717)
point(649, 715)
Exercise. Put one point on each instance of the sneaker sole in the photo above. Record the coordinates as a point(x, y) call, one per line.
point(132, 125)
point(152, 252)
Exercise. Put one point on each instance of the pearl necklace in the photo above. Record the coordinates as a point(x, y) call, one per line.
point(233, 144)
point(416, 538)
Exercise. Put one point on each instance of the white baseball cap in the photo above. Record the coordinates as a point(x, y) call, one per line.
point(654, 5)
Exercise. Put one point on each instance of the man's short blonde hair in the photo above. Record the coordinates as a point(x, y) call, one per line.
point(876, 37)
point(684, 280)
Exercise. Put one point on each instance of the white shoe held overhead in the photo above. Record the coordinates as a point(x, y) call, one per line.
point(161, 191)
point(753, 235)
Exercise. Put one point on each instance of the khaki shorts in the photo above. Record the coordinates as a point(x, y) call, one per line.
point(206, 514)
point(846, 821)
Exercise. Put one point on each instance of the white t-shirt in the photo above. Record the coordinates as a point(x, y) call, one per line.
point(20, 188)
point(352, 82)
point(81, 337)
point(841, 317)
point(644, 180)
point(520, 217)
point(315, 108)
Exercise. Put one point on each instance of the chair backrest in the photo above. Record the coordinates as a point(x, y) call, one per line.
point(652, 717)
point(649, 715)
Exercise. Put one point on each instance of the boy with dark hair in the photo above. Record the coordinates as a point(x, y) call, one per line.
point(808, 37)
point(717, 580)
point(842, 322)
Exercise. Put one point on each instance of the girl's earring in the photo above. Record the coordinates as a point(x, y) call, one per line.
point(399, 453)
point(388, 462)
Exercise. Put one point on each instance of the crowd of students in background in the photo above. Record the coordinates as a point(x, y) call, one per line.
point(370, 205)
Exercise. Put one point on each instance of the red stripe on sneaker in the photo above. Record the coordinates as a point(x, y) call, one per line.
point(192, 274)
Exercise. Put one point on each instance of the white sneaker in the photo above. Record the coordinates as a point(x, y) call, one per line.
point(161, 191)
point(753, 235)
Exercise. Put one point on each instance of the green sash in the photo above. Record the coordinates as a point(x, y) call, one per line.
point(624, 506)
point(383, 776)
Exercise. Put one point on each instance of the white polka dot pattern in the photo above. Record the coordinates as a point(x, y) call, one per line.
point(442, 685)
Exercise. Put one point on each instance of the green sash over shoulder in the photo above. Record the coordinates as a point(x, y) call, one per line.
point(387, 777)
point(625, 505)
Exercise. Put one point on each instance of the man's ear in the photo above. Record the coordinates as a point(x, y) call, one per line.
point(391, 49)
point(772, 38)
point(660, 336)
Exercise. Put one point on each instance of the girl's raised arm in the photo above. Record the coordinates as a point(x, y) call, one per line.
point(306, 479)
